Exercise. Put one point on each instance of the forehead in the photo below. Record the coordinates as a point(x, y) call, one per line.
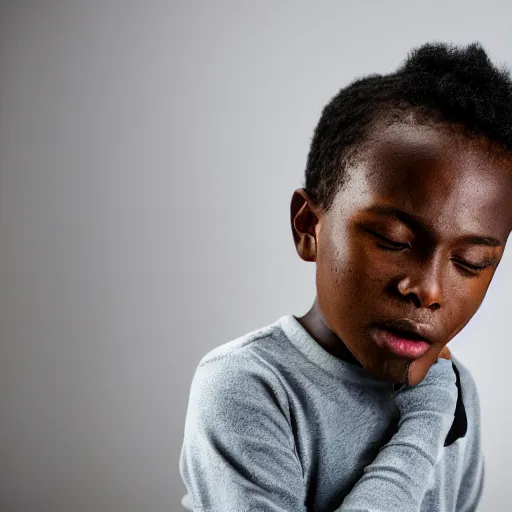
point(451, 182)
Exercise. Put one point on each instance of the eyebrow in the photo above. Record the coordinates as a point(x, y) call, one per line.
point(415, 222)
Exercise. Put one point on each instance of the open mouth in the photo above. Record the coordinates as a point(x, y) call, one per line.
point(405, 334)
point(402, 343)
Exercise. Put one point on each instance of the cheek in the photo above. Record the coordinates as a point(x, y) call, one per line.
point(343, 267)
point(463, 298)
point(347, 287)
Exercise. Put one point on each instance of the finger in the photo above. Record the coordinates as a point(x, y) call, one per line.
point(420, 367)
point(445, 353)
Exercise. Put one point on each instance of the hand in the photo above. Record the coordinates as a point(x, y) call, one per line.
point(419, 368)
point(436, 392)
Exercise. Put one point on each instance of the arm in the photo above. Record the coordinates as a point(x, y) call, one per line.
point(472, 486)
point(238, 452)
point(473, 479)
point(398, 477)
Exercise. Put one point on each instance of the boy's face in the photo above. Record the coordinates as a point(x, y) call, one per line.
point(421, 209)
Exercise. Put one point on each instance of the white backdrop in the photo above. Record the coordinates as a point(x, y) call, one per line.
point(148, 154)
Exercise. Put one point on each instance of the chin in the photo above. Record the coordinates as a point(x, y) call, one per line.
point(393, 371)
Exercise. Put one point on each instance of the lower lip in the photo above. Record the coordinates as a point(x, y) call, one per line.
point(407, 348)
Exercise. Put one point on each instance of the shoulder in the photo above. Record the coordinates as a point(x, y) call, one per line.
point(469, 389)
point(468, 413)
point(472, 477)
point(241, 375)
point(240, 347)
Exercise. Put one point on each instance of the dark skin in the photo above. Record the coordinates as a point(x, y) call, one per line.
point(444, 208)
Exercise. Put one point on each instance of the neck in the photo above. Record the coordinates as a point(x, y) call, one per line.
point(314, 323)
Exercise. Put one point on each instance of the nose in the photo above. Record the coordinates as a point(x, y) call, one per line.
point(423, 286)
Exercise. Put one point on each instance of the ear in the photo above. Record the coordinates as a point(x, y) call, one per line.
point(304, 220)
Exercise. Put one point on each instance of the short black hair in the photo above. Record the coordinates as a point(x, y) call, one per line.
point(441, 82)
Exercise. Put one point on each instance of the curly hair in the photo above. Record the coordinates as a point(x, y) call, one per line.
point(439, 82)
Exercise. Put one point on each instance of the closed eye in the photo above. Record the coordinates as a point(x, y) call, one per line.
point(472, 268)
point(390, 245)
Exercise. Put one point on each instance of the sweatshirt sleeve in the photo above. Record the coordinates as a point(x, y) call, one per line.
point(238, 451)
point(473, 478)
point(399, 476)
point(472, 485)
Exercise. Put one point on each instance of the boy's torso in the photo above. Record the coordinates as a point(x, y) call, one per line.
point(338, 417)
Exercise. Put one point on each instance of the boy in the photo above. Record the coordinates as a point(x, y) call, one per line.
point(359, 405)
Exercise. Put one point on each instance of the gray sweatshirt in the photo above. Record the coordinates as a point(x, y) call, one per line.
point(276, 423)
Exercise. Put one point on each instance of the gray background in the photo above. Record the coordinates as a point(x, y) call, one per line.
point(148, 153)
